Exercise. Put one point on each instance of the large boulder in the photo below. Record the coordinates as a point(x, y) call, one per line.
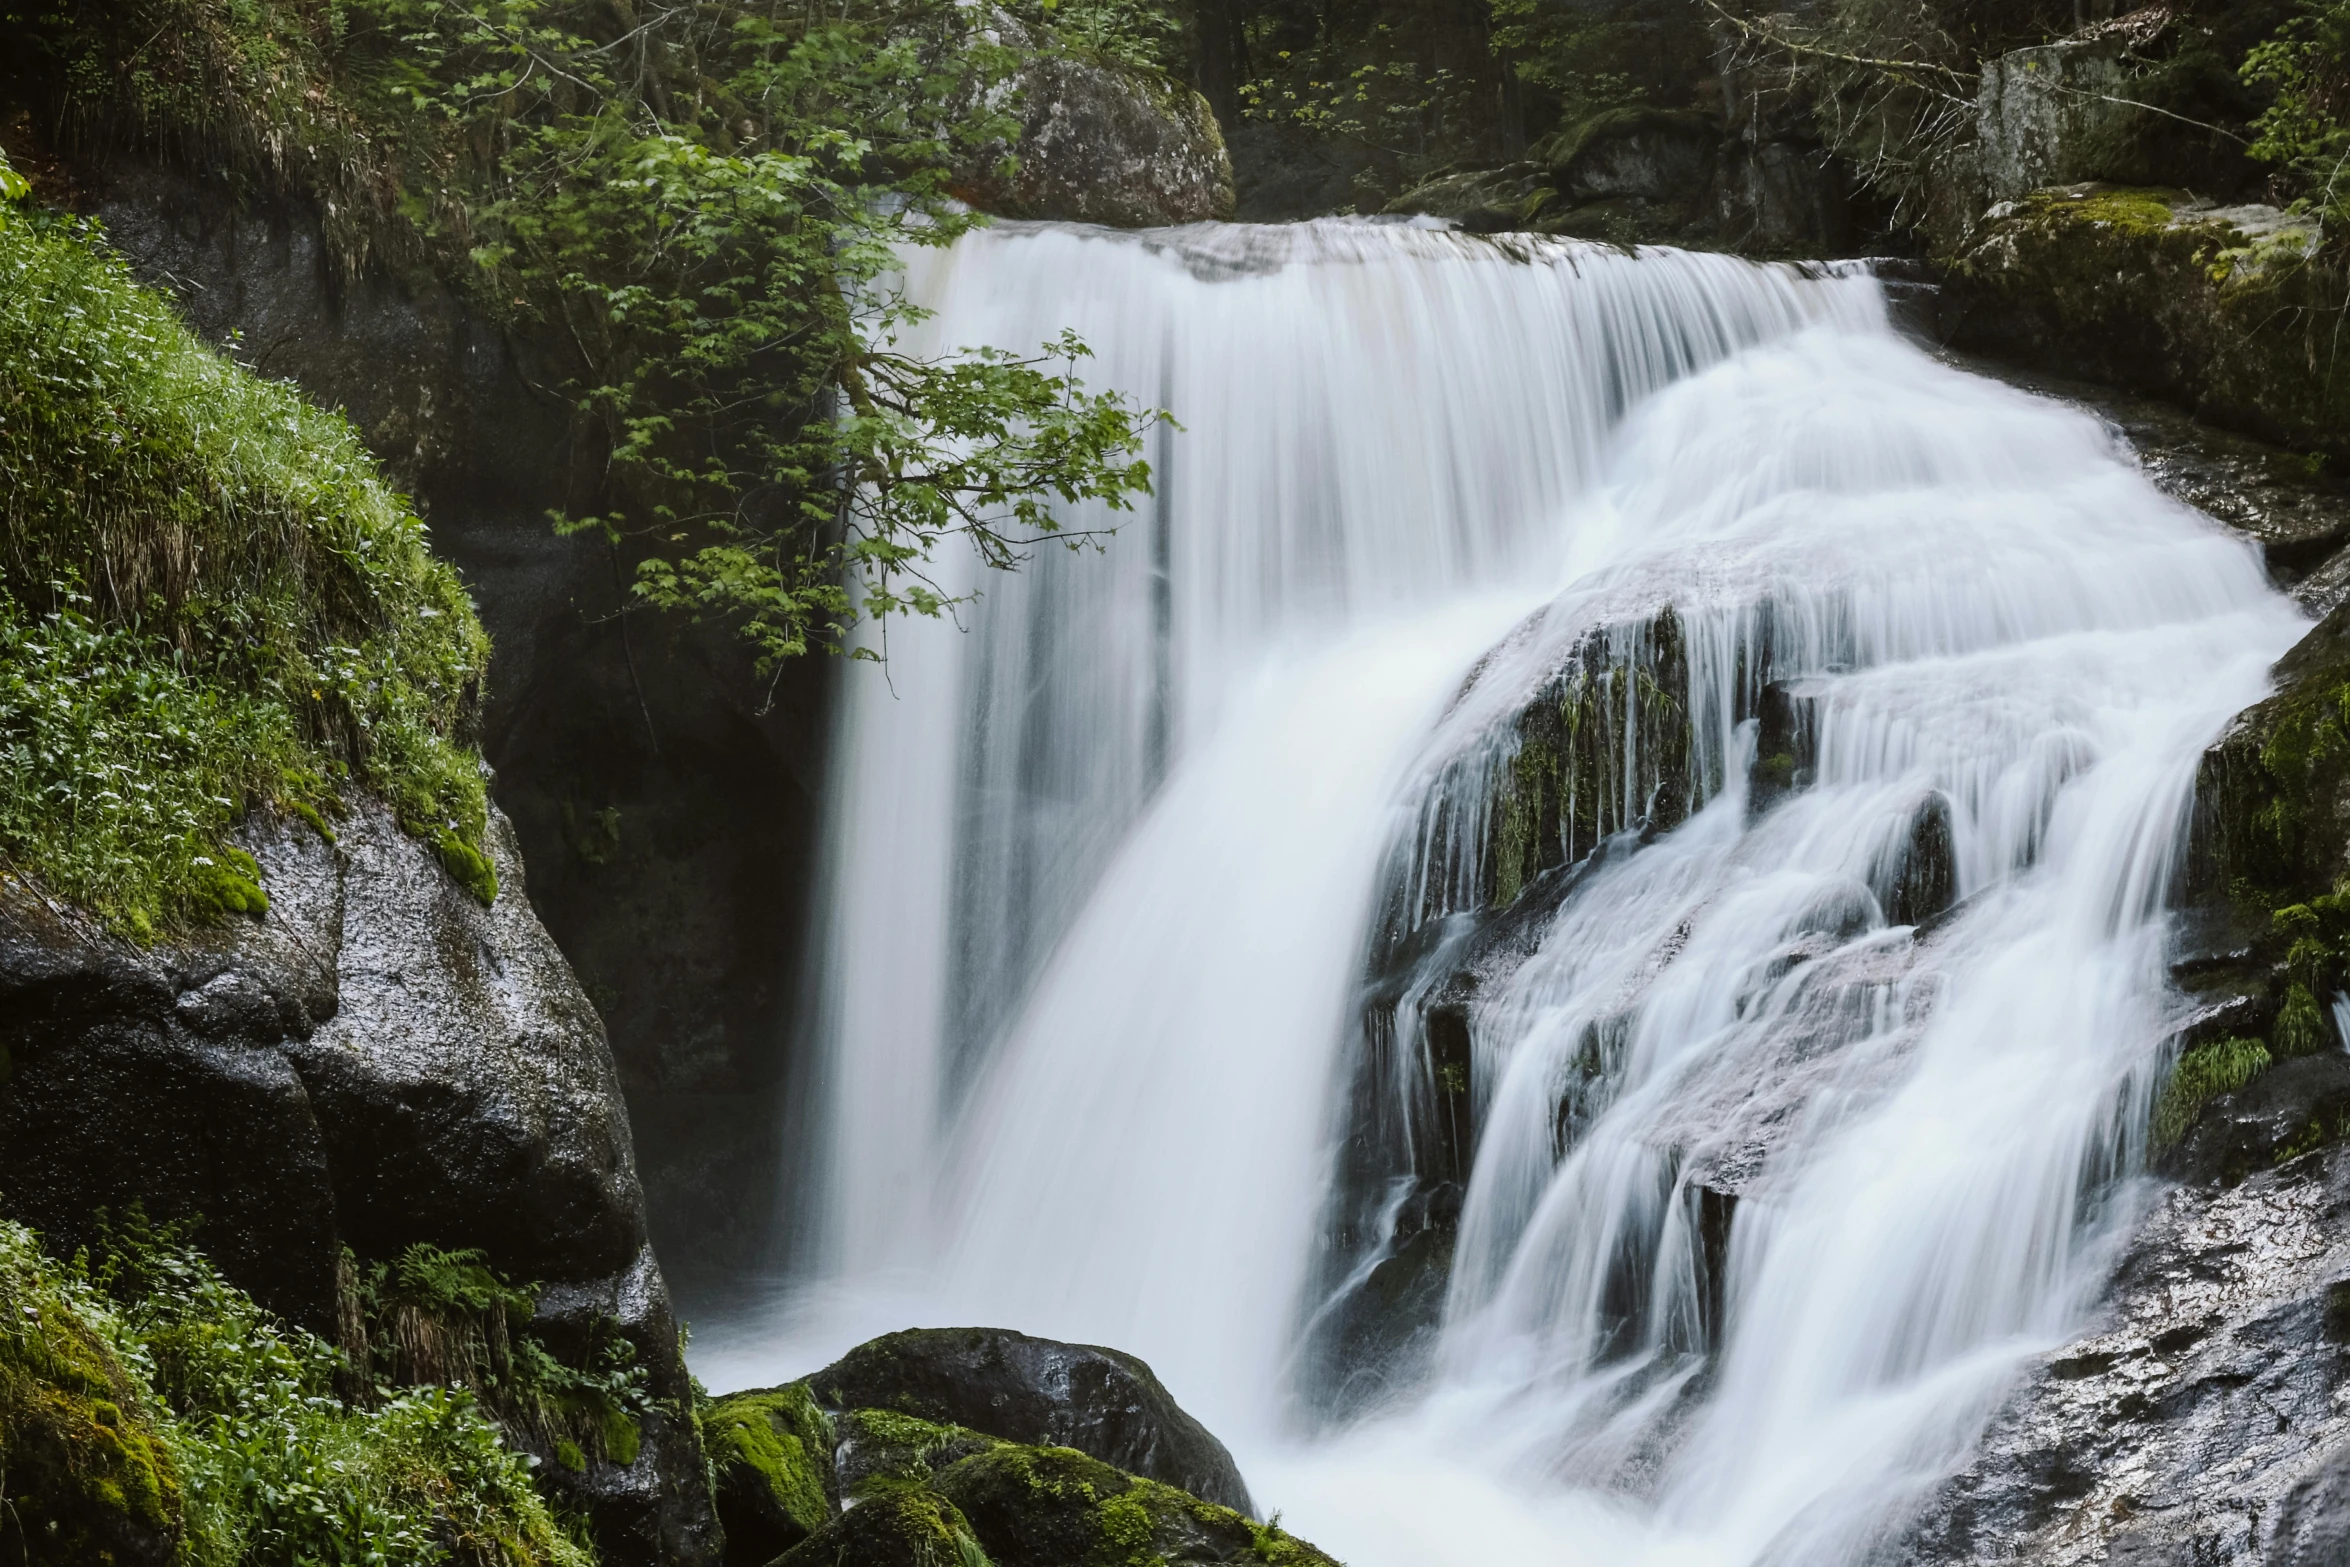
point(378, 1060)
point(2220, 309)
point(1103, 143)
point(1039, 1392)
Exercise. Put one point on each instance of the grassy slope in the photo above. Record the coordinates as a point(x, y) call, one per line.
point(209, 602)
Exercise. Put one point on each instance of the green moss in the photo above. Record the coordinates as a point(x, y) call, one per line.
point(1056, 1507)
point(886, 1447)
point(210, 601)
point(2139, 286)
point(272, 1467)
point(771, 1454)
point(2202, 1075)
point(903, 1527)
point(470, 867)
point(89, 1475)
point(568, 1454)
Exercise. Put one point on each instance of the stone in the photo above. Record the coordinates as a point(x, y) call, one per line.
point(1037, 1391)
point(2196, 1420)
point(771, 1465)
point(378, 1060)
point(1101, 143)
point(660, 794)
point(1056, 1507)
point(904, 1528)
point(2222, 310)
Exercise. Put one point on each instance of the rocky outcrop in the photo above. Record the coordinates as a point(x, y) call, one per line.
point(1040, 1393)
point(376, 1061)
point(2228, 311)
point(1104, 143)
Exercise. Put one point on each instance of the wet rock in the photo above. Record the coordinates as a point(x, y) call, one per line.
point(1054, 1507)
point(378, 1060)
point(1037, 1391)
point(880, 1448)
point(1483, 201)
point(1920, 879)
point(1101, 143)
point(1785, 746)
point(2199, 1420)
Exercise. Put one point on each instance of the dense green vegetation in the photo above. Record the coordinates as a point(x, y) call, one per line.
point(151, 1412)
point(697, 209)
point(209, 600)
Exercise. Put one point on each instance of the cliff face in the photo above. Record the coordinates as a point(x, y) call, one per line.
point(376, 1061)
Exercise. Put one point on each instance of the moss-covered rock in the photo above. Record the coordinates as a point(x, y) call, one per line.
point(879, 1448)
point(2231, 311)
point(905, 1526)
point(1033, 1390)
point(771, 1462)
point(1102, 142)
point(84, 1476)
point(2269, 868)
point(1055, 1507)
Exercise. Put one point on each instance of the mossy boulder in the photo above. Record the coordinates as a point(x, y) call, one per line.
point(879, 1448)
point(771, 1462)
point(1056, 1507)
point(903, 1527)
point(84, 1476)
point(1033, 1390)
point(2230, 311)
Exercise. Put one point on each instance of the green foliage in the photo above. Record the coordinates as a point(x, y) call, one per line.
point(438, 1318)
point(83, 1470)
point(701, 208)
point(2202, 1075)
point(254, 1461)
point(208, 599)
point(1142, 35)
point(2306, 129)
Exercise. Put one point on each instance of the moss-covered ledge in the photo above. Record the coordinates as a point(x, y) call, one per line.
point(2232, 312)
point(2262, 1077)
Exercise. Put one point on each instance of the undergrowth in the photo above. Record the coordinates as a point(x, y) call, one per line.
point(445, 1318)
point(231, 1424)
point(209, 601)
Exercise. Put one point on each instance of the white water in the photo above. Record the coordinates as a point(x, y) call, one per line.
point(1105, 867)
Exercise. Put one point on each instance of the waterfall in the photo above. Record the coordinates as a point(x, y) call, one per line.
point(1566, 931)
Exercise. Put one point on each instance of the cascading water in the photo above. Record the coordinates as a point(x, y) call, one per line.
point(1753, 758)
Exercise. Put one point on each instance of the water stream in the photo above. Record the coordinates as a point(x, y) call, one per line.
point(1791, 1102)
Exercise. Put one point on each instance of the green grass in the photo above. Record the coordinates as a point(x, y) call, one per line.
point(170, 1400)
point(2202, 1075)
point(210, 601)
